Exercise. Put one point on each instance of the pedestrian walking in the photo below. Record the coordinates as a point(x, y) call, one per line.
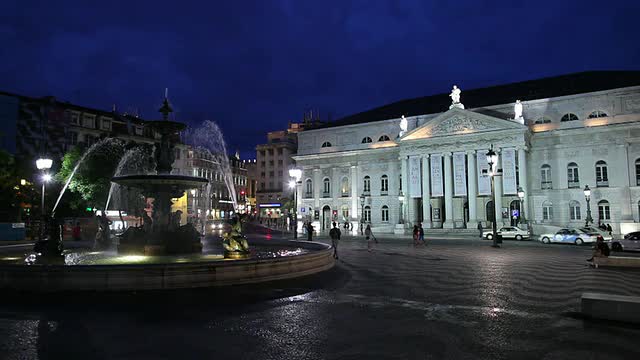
point(609, 229)
point(335, 238)
point(421, 234)
point(309, 232)
point(480, 229)
point(369, 236)
point(415, 235)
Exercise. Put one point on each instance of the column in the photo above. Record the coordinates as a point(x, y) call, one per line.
point(472, 197)
point(317, 185)
point(404, 168)
point(448, 192)
point(355, 196)
point(426, 193)
point(497, 186)
point(524, 182)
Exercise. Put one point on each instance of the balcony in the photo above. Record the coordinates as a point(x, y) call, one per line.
point(602, 183)
point(326, 195)
point(546, 185)
point(308, 195)
point(573, 184)
point(366, 193)
point(344, 194)
point(384, 192)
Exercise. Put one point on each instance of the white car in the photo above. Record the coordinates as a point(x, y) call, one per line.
point(507, 232)
point(631, 241)
point(594, 231)
point(571, 236)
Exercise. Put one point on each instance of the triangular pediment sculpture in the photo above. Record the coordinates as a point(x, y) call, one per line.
point(458, 122)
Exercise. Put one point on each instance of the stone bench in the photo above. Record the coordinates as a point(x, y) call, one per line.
point(611, 307)
point(617, 261)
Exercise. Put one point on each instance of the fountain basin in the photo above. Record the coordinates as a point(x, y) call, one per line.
point(165, 276)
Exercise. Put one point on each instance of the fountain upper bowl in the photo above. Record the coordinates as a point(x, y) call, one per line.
point(148, 181)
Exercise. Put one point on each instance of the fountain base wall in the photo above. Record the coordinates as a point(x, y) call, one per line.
point(59, 278)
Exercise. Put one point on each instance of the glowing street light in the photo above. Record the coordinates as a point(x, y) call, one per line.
point(492, 160)
point(296, 174)
point(587, 196)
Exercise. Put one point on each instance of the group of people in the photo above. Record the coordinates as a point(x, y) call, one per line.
point(605, 227)
point(418, 235)
point(335, 235)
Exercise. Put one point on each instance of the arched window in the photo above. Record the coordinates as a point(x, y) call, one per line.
point(602, 176)
point(366, 140)
point(597, 114)
point(543, 120)
point(344, 186)
point(604, 212)
point(384, 184)
point(326, 144)
point(384, 138)
point(367, 184)
point(545, 177)
point(574, 210)
point(638, 172)
point(308, 188)
point(573, 181)
point(569, 117)
point(326, 187)
point(345, 212)
point(547, 210)
point(385, 213)
point(367, 213)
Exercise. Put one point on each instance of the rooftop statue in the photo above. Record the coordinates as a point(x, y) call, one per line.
point(455, 98)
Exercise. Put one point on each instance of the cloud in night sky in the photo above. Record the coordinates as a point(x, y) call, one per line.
point(252, 66)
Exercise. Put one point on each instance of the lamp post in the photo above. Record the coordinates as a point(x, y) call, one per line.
point(492, 160)
point(293, 184)
point(587, 196)
point(193, 210)
point(362, 213)
point(44, 164)
point(521, 197)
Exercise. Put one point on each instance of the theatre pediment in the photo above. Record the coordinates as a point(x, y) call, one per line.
point(460, 122)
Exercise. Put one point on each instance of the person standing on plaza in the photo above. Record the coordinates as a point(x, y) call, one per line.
point(309, 231)
point(369, 235)
point(335, 237)
point(415, 234)
point(609, 229)
point(480, 229)
point(421, 235)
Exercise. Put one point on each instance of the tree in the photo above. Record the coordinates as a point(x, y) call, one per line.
point(12, 193)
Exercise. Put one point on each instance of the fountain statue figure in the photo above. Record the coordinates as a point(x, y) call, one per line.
point(162, 234)
point(234, 242)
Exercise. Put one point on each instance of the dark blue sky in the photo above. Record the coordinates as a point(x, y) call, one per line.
point(252, 66)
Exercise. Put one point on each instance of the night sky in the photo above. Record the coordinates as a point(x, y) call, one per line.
point(252, 66)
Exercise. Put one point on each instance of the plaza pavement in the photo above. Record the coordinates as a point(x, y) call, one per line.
point(454, 299)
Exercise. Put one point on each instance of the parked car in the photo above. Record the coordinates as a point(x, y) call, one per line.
point(631, 241)
point(595, 231)
point(571, 236)
point(507, 232)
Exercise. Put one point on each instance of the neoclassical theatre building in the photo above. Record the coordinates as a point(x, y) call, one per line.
point(424, 159)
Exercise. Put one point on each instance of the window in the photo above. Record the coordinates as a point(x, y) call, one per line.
point(326, 187)
point(573, 180)
point(384, 184)
point(106, 124)
point(326, 144)
point(75, 118)
point(262, 174)
point(569, 117)
point(89, 140)
point(73, 137)
point(597, 114)
point(638, 172)
point(345, 212)
point(367, 214)
point(138, 130)
point(367, 184)
point(543, 120)
point(177, 154)
point(308, 188)
point(545, 177)
point(602, 177)
point(261, 186)
point(280, 162)
point(385, 213)
point(271, 173)
point(400, 182)
point(604, 212)
point(547, 210)
point(270, 152)
point(263, 163)
point(574, 210)
point(271, 162)
point(344, 186)
point(384, 138)
point(366, 140)
point(89, 121)
point(279, 151)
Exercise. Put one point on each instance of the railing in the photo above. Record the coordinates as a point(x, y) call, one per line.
point(308, 195)
point(573, 184)
point(366, 193)
point(326, 195)
point(384, 192)
point(602, 183)
point(344, 194)
point(547, 185)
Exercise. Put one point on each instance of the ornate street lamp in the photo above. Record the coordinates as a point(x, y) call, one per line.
point(587, 196)
point(362, 213)
point(293, 184)
point(44, 164)
point(521, 197)
point(492, 160)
